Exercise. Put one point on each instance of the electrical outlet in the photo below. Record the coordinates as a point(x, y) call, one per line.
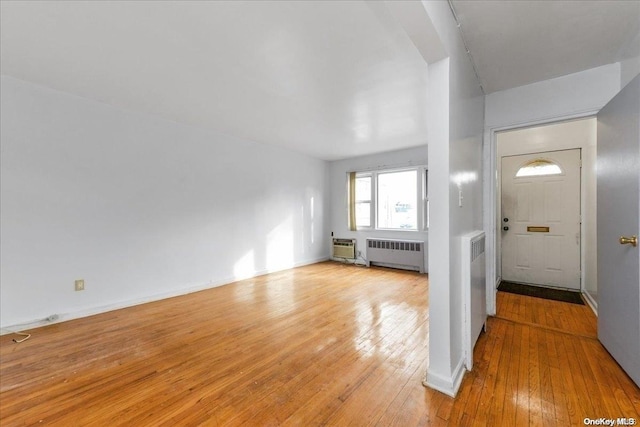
point(80, 285)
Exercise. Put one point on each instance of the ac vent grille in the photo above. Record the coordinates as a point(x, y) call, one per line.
point(477, 248)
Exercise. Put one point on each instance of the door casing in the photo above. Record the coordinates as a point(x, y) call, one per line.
point(493, 215)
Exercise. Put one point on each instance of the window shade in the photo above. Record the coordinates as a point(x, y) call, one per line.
point(352, 201)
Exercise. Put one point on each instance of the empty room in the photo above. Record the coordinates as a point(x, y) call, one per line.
point(301, 213)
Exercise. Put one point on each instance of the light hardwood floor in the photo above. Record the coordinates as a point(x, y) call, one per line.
point(326, 344)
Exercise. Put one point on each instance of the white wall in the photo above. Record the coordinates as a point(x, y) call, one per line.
point(563, 136)
point(339, 197)
point(629, 68)
point(455, 164)
point(140, 207)
point(576, 95)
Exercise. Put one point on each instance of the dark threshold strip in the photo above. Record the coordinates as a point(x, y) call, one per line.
point(540, 292)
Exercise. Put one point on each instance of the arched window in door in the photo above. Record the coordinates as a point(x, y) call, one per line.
point(539, 167)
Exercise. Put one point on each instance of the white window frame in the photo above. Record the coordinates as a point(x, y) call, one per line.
point(422, 199)
point(425, 199)
point(372, 203)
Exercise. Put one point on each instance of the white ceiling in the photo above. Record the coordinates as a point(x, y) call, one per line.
point(514, 43)
point(330, 79)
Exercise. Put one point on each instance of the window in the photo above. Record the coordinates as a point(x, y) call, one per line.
point(389, 199)
point(363, 200)
point(398, 200)
point(539, 167)
point(425, 199)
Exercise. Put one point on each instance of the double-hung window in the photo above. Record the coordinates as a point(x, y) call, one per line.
point(389, 199)
point(363, 200)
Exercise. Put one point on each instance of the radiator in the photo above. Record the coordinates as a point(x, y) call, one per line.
point(474, 290)
point(405, 254)
point(344, 248)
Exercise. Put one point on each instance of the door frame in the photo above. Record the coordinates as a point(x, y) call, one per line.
point(492, 198)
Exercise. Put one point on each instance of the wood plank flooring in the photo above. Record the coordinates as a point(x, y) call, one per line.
point(326, 344)
point(570, 318)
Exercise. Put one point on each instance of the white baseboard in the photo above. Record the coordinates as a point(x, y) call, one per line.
point(86, 312)
point(358, 262)
point(445, 384)
point(591, 302)
point(492, 298)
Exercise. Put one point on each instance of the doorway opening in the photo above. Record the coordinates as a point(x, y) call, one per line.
point(546, 191)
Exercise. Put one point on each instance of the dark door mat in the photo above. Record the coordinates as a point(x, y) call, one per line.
point(540, 292)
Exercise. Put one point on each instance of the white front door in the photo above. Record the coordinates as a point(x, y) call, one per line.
point(619, 215)
point(541, 219)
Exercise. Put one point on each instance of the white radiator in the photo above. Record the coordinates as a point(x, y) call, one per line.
point(344, 248)
point(474, 290)
point(405, 254)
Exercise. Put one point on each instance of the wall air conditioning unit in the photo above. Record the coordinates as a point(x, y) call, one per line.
point(344, 248)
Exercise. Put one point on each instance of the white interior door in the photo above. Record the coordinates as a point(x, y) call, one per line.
point(541, 219)
point(618, 168)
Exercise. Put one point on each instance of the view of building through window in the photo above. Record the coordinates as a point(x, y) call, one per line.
point(397, 200)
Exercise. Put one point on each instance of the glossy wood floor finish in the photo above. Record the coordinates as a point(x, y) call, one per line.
point(326, 344)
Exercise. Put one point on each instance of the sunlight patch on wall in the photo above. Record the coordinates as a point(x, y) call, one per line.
point(245, 267)
point(280, 246)
point(311, 220)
